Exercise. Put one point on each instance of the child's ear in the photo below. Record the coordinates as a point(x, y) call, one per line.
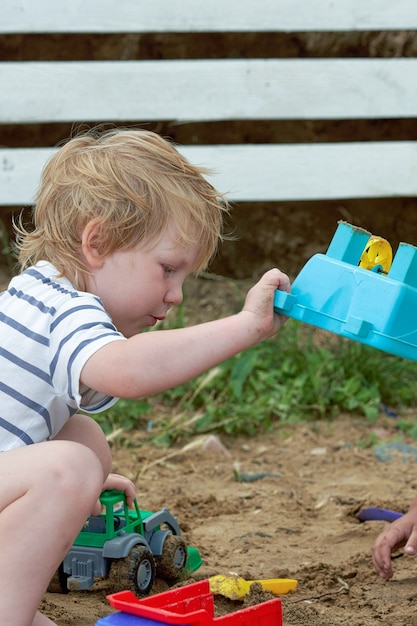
point(90, 244)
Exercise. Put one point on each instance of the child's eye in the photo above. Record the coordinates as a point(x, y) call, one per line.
point(168, 269)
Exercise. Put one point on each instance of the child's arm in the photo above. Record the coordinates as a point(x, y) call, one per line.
point(151, 362)
point(402, 532)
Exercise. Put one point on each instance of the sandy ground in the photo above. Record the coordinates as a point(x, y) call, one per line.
point(298, 523)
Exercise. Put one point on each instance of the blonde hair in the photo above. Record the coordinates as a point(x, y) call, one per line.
point(133, 183)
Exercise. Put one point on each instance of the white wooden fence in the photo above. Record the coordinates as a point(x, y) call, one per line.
point(221, 89)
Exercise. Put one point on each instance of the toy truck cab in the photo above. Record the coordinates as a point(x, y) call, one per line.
point(100, 529)
point(130, 545)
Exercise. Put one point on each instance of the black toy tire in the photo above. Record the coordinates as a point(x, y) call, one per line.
point(58, 582)
point(136, 572)
point(171, 563)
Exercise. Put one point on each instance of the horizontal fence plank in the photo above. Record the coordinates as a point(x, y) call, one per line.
point(203, 90)
point(70, 16)
point(262, 172)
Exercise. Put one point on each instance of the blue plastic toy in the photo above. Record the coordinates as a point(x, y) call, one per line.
point(376, 306)
point(375, 513)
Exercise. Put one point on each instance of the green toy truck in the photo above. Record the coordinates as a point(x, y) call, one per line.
point(131, 546)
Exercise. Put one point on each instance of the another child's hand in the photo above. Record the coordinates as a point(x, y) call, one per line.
point(260, 301)
point(402, 532)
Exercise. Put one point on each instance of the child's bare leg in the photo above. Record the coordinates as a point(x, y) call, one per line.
point(47, 490)
point(42, 620)
point(85, 430)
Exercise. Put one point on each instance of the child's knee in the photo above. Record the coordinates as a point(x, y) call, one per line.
point(75, 470)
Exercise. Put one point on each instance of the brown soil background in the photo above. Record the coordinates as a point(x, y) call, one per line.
point(302, 524)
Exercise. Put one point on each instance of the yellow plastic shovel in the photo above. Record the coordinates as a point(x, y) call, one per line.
point(236, 588)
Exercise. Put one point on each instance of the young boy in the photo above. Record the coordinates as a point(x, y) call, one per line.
point(120, 220)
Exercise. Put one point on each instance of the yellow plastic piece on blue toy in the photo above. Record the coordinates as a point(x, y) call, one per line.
point(377, 255)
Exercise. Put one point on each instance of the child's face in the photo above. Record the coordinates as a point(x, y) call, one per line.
point(138, 286)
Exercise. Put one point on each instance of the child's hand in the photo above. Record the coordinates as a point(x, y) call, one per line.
point(260, 301)
point(402, 532)
point(121, 483)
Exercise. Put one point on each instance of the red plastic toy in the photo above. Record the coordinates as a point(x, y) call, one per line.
point(191, 605)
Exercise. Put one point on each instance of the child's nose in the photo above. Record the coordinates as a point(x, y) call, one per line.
point(174, 296)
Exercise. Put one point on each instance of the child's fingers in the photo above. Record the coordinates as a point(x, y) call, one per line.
point(381, 557)
point(121, 483)
point(411, 545)
point(277, 279)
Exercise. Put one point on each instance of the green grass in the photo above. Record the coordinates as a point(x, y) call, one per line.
point(300, 375)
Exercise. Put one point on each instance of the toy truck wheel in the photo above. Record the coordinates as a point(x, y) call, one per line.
point(173, 558)
point(136, 572)
point(58, 582)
